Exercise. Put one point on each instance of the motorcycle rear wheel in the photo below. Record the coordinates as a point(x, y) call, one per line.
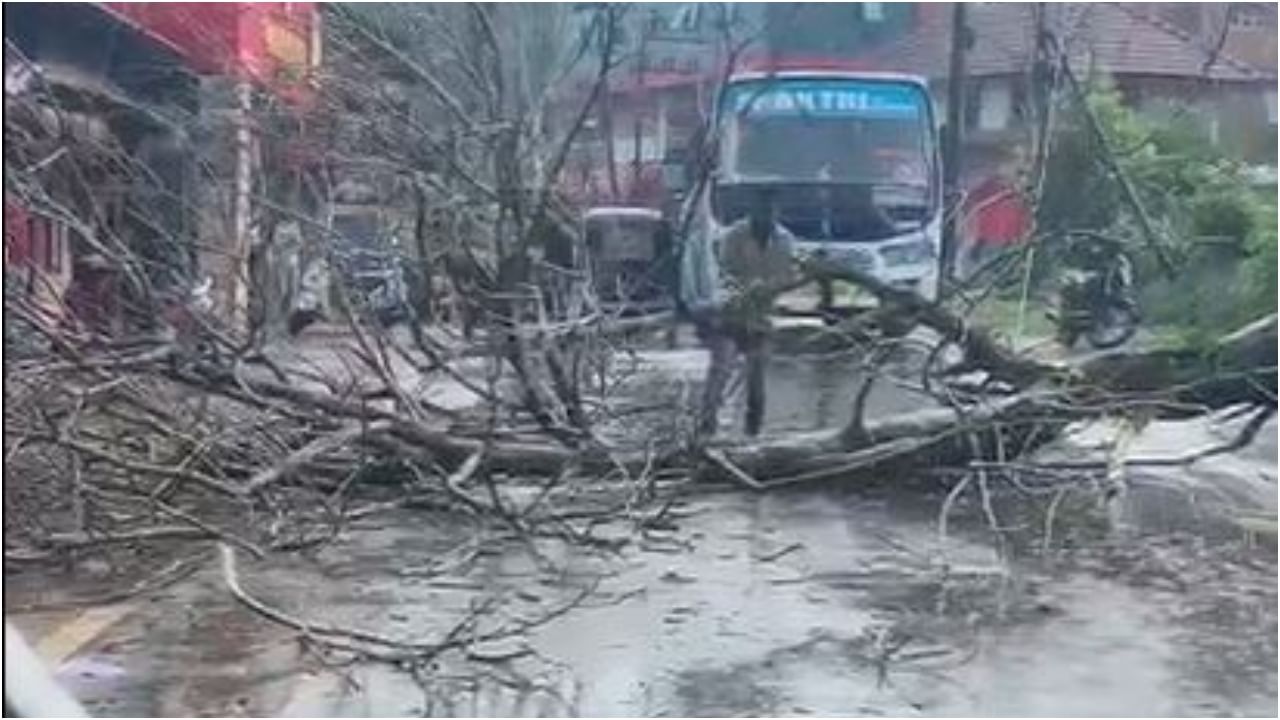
point(1112, 326)
point(1067, 335)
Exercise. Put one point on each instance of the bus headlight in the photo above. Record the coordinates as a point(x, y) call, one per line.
point(907, 253)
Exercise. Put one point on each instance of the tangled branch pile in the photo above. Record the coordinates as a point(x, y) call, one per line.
point(175, 426)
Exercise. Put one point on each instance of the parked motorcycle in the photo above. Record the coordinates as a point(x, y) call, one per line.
point(1096, 297)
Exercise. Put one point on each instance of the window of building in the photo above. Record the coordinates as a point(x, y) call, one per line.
point(995, 105)
point(835, 29)
point(688, 18)
point(655, 23)
point(736, 15)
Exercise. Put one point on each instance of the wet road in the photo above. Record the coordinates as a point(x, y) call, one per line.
point(814, 603)
point(805, 392)
point(832, 601)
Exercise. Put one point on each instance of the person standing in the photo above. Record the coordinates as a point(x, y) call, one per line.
point(756, 263)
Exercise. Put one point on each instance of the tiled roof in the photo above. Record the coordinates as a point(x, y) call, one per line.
point(1108, 36)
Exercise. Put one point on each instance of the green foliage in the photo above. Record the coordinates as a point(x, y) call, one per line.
point(1259, 267)
point(1228, 278)
point(1222, 230)
point(1220, 213)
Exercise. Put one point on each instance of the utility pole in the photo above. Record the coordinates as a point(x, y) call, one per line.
point(637, 98)
point(608, 35)
point(952, 162)
point(242, 237)
point(1043, 66)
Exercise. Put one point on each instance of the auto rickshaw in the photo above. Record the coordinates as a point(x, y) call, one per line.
point(630, 260)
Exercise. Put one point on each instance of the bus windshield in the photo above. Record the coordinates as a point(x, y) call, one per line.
point(829, 130)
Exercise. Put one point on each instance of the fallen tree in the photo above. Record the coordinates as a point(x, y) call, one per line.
point(1239, 368)
point(202, 433)
point(145, 431)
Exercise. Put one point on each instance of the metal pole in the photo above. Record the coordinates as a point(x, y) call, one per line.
point(952, 163)
point(605, 107)
point(636, 104)
point(237, 275)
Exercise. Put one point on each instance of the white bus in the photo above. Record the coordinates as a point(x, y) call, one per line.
point(851, 163)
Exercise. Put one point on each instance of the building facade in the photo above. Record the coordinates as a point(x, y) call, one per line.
point(1213, 61)
point(108, 111)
